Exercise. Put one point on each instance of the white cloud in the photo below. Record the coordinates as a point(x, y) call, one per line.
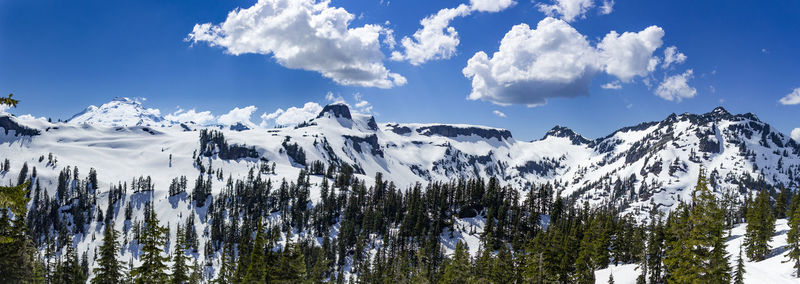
point(555, 60)
point(616, 85)
point(792, 98)
point(796, 134)
point(291, 116)
point(499, 113)
point(631, 54)
point(362, 106)
point(4, 109)
point(671, 55)
point(569, 10)
point(531, 65)
point(330, 97)
point(238, 115)
point(607, 7)
point(437, 39)
point(491, 5)
point(308, 35)
point(676, 87)
point(183, 116)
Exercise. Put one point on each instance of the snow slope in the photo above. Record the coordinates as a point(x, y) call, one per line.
point(771, 270)
point(637, 168)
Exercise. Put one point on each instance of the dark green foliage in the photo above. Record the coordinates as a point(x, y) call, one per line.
point(295, 152)
point(258, 233)
point(458, 268)
point(109, 268)
point(695, 243)
point(212, 142)
point(738, 276)
point(257, 266)
point(152, 239)
point(760, 227)
point(793, 237)
point(68, 267)
point(180, 271)
point(17, 260)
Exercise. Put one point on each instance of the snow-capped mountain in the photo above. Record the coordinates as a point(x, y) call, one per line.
point(638, 166)
point(119, 112)
point(650, 165)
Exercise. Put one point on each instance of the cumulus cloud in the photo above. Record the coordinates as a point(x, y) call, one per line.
point(4, 109)
point(607, 7)
point(616, 85)
point(499, 113)
point(631, 54)
point(676, 87)
point(671, 55)
point(308, 35)
point(291, 116)
point(491, 5)
point(238, 115)
point(362, 106)
point(531, 65)
point(568, 10)
point(555, 60)
point(796, 134)
point(437, 39)
point(184, 116)
point(330, 97)
point(792, 98)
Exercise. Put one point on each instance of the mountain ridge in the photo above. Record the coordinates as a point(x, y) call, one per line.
point(578, 166)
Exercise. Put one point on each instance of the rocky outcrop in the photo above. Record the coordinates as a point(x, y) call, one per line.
point(336, 110)
point(564, 132)
point(454, 131)
point(10, 124)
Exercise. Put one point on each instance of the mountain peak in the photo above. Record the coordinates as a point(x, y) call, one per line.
point(719, 113)
point(720, 110)
point(120, 111)
point(336, 110)
point(565, 132)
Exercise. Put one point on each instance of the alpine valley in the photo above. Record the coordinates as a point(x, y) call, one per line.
point(321, 187)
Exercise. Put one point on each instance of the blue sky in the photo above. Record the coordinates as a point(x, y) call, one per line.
point(60, 56)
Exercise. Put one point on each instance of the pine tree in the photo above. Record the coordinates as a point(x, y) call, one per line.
point(706, 237)
point(257, 268)
point(585, 264)
point(781, 203)
point(13, 199)
point(17, 259)
point(457, 269)
point(291, 266)
point(695, 240)
point(738, 277)
point(196, 277)
point(793, 239)
point(179, 270)
point(655, 250)
point(152, 238)
point(760, 227)
point(69, 270)
point(109, 269)
point(226, 267)
point(678, 259)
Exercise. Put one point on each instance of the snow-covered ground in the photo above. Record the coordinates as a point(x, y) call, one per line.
point(772, 270)
point(123, 140)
